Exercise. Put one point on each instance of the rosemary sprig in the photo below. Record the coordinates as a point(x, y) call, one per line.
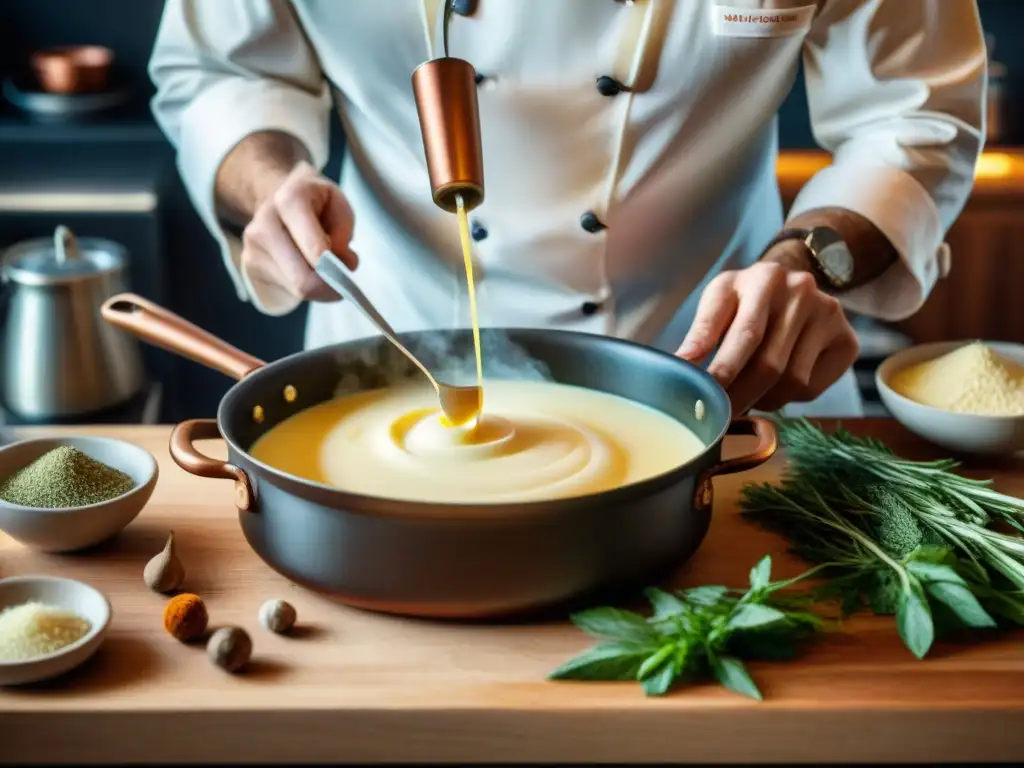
point(818, 456)
point(909, 538)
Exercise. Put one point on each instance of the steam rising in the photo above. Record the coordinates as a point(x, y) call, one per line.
point(502, 358)
point(448, 355)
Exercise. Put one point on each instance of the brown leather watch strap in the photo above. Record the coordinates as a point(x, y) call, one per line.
point(806, 262)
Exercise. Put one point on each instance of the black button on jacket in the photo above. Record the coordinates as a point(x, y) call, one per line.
point(608, 86)
point(591, 223)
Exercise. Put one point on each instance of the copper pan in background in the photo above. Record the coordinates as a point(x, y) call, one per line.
point(73, 69)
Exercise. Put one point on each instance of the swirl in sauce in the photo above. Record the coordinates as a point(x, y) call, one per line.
point(537, 440)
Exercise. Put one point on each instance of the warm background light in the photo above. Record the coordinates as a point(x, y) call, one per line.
point(794, 168)
point(997, 165)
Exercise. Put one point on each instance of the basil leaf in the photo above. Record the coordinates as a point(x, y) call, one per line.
point(681, 657)
point(934, 573)
point(659, 683)
point(760, 574)
point(654, 661)
point(708, 596)
point(961, 602)
point(945, 621)
point(606, 661)
point(615, 624)
point(914, 620)
point(664, 604)
point(732, 673)
point(752, 615)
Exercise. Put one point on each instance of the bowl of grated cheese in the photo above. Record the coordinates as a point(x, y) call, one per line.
point(967, 397)
point(48, 626)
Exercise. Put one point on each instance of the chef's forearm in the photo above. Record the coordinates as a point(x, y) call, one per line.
point(251, 172)
point(872, 251)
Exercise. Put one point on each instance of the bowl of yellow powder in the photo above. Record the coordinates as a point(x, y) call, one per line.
point(69, 493)
point(48, 626)
point(967, 397)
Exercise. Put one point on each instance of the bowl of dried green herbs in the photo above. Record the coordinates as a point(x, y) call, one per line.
point(61, 494)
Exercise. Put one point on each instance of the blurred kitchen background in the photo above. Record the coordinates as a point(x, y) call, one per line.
point(110, 174)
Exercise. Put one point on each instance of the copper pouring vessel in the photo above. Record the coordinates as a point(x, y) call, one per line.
point(454, 560)
point(446, 102)
point(73, 69)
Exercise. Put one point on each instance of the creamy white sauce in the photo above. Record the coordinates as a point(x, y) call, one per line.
point(535, 440)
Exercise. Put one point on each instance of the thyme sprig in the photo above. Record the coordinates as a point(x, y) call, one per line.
point(910, 538)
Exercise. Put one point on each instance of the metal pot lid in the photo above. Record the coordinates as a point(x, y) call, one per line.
point(61, 259)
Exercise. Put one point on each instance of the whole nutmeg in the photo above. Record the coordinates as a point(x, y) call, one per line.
point(277, 616)
point(164, 572)
point(185, 617)
point(230, 648)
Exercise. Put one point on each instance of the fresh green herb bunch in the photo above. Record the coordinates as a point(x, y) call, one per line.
point(909, 538)
point(694, 634)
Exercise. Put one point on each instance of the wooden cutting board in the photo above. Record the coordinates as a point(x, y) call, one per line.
point(354, 686)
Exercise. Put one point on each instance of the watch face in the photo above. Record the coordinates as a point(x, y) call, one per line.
point(837, 260)
point(832, 255)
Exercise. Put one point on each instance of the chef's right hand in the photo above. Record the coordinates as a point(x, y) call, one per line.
point(303, 217)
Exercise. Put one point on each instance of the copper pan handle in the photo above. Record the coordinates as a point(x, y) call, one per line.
point(192, 461)
point(166, 330)
point(767, 444)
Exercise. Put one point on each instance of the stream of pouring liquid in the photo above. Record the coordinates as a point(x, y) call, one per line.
point(467, 258)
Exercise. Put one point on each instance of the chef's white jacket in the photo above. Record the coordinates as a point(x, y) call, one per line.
point(676, 161)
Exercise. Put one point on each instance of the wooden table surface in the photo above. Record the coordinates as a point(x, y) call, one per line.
point(354, 686)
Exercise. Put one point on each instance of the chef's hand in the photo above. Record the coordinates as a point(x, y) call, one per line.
point(304, 215)
point(780, 338)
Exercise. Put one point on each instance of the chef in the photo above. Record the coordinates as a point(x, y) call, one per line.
point(630, 152)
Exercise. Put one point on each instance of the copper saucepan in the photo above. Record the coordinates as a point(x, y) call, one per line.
point(453, 560)
point(73, 68)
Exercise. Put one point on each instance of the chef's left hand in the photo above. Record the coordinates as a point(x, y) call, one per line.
point(781, 338)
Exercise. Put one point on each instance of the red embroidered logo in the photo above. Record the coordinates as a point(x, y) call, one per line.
point(780, 18)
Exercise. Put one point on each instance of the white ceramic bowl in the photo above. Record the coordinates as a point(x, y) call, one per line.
point(73, 528)
point(86, 601)
point(959, 432)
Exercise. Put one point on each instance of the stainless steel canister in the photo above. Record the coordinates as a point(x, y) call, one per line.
point(59, 358)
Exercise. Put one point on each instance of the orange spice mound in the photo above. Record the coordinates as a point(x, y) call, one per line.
point(185, 617)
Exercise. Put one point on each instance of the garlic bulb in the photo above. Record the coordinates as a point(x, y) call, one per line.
point(164, 573)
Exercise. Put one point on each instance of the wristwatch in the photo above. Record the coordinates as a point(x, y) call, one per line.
point(830, 256)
